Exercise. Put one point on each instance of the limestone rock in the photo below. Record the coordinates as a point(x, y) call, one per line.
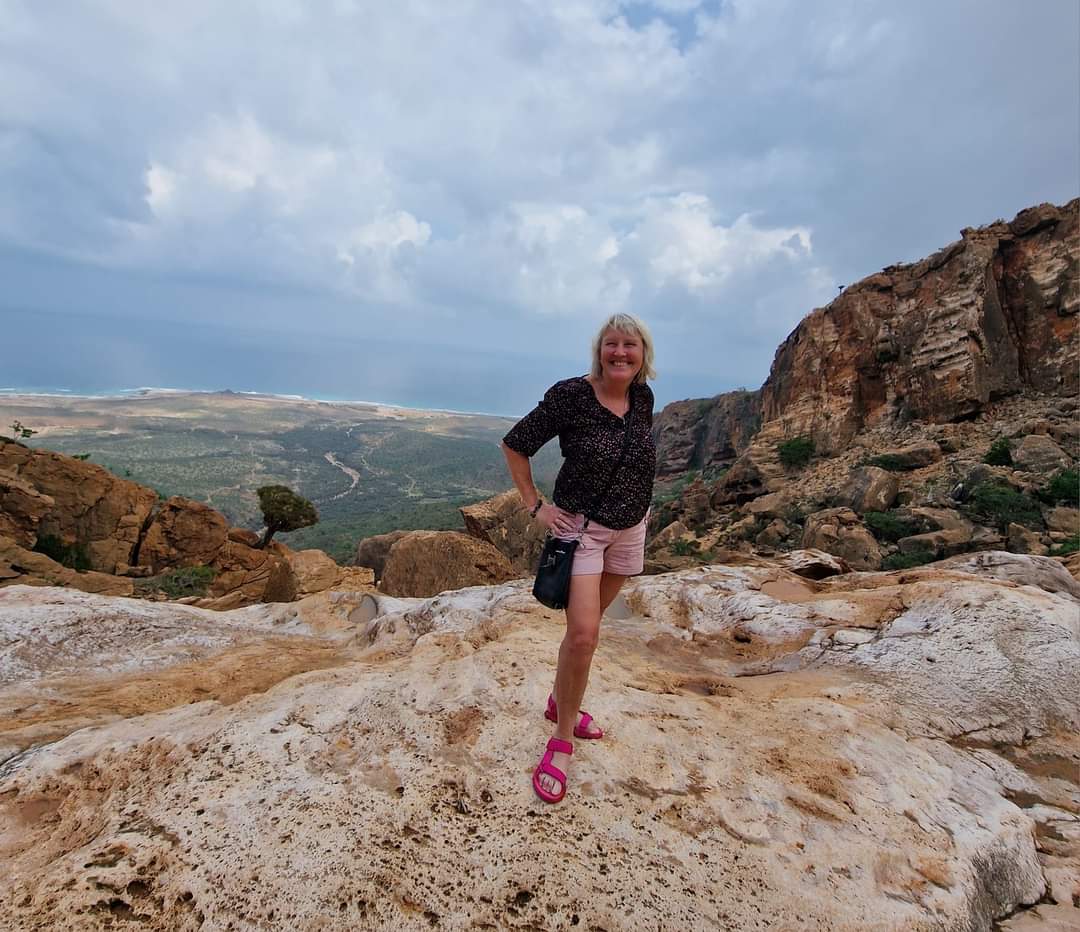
point(870, 489)
point(1039, 454)
point(21, 509)
point(775, 533)
point(936, 340)
point(838, 531)
point(183, 533)
point(246, 575)
point(812, 564)
point(1063, 518)
point(314, 571)
point(242, 535)
point(19, 566)
point(673, 532)
point(1023, 540)
point(90, 506)
point(504, 523)
point(889, 751)
point(373, 551)
point(746, 479)
point(915, 455)
point(705, 432)
point(423, 563)
point(772, 505)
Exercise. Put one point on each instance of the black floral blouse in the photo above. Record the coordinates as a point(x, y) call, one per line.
point(591, 438)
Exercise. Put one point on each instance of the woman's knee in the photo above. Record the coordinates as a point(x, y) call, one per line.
point(582, 639)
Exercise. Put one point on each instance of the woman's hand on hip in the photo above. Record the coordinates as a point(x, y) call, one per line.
point(556, 520)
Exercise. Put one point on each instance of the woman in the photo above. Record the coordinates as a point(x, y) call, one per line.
point(594, 416)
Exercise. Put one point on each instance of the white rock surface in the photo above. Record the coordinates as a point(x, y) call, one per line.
point(387, 785)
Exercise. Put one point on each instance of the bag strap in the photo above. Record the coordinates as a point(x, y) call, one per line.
point(618, 463)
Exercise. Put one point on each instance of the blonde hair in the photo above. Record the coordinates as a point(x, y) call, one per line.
point(626, 323)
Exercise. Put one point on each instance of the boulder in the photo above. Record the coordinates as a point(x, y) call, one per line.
point(1063, 518)
point(1023, 540)
point(1039, 454)
point(772, 505)
point(89, 505)
point(424, 563)
point(21, 509)
point(813, 564)
point(840, 532)
point(314, 571)
point(373, 551)
point(242, 535)
point(504, 522)
point(183, 533)
point(869, 488)
point(246, 575)
point(744, 481)
point(19, 566)
point(673, 532)
point(914, 456)
point(776, 532)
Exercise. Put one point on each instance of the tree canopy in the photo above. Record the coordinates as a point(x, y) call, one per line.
point(284, 510)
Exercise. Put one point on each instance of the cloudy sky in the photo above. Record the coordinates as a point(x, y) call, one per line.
point(434, 202)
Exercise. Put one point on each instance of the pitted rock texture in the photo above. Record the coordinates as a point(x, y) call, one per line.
point(182, 533)
point(861, 786)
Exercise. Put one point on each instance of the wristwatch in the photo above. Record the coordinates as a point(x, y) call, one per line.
point(535, 508)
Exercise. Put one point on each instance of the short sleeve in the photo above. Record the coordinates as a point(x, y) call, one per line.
point(538, 426)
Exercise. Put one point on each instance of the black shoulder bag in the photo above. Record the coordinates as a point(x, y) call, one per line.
point(552, 586)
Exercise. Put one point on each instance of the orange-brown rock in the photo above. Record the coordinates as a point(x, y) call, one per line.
point(19, 566)
point(704, 432)
point(314, 571)
point(21, 509)
point(504, 523)
point(870, 489)
point(838, 531)
point(183, 533)
point(424, 563)
point(373, 551)
point(90, 506)
point(987, 316)
point(246, 575)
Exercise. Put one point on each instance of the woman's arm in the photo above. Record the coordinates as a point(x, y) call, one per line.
point(521, 472)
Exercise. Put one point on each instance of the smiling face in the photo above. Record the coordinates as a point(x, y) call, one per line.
point(621, 356)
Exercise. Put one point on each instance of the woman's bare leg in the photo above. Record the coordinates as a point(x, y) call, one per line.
point(610, 584)
point(583, 612)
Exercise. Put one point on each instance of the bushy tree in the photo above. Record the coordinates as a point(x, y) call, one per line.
point(284, 510)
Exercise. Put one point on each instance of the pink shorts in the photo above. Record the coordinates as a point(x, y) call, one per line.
point(603, 550)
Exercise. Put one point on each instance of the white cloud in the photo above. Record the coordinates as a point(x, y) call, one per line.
point(716, 164)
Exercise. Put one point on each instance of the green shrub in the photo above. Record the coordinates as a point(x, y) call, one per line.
point(1000, 505)
point(796, 452)
point(1066, 547)
point(1064, 488)
point(179, 583)
point(889, 526)
point(81, 456)
point(999, 453)
point(905, 561)
point(890, 462)
point(683, 547)
point(73, 556)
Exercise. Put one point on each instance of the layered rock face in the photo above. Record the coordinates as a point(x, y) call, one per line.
point(705, 432)
point(987, 316)
point(910, 761)
point(423, 563)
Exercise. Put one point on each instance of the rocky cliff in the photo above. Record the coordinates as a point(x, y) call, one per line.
point(986, 317)
point(930, 372)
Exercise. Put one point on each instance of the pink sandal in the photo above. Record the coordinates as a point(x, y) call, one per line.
point(581, 729)
point(545, 766)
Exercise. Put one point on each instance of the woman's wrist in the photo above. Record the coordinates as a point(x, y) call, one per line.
point(535, 508)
